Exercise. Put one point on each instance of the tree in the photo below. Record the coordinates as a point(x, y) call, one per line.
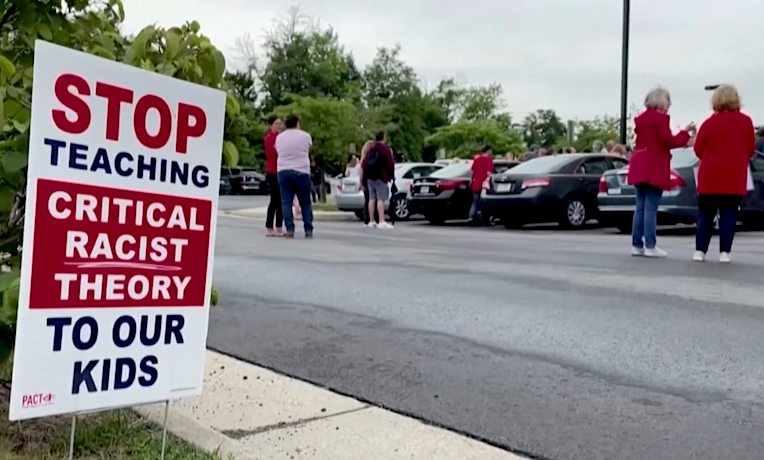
point(603, 129)
point(473, 103)
point(464, 138)
point(388, 80)
point(305, 59)
point(333, 124)
point(543, 128)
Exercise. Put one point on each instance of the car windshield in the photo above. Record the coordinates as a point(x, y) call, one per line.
point(540, 165)
point(683, 158)
point(461, 169)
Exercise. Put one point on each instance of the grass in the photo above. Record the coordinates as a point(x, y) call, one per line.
point(324, 206)
point(114, 435)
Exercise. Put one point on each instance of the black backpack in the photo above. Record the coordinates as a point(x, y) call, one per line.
point(374, 164)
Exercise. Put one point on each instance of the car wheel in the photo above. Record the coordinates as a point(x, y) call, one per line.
point(575, 213)
point(401, 207)
point(360, 215)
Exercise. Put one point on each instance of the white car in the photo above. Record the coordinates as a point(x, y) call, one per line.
point(349, 197)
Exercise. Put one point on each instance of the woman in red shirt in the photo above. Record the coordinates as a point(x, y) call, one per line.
point(725, 144)
point(650, 168)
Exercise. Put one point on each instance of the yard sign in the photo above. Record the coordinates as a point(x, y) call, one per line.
point(121, 211)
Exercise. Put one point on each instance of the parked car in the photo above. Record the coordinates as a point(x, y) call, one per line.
point(225, 186)
point(446, 195)
point(680, 204)
point(245, 179)
point(349, 197)
point(558, 188)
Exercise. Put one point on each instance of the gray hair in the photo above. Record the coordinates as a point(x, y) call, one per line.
point(654, 97)
point(597, 146)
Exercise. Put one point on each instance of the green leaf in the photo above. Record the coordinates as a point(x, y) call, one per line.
point(7, 69)
point(10, 305)
point(214, 297)
point(137, 50)
point(172, 44)
point(6, 279)
point(230, 154)
point(7, 196)
point(195, 27)
point(168, 69)
point(20, 126)
point(120, 8)
point(102, 52)
point(44, 31)
point(207, 64)
point(6, 342)
point(219, 65)
point(14, 162)
point(232, 106)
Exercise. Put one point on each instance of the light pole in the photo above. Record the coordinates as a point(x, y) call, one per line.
point(624, 68)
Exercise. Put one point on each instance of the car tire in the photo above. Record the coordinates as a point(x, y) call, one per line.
point(575, 213)
point(360, 214)
point(400, 207)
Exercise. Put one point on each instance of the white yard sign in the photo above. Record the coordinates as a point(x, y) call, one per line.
point(122, 198)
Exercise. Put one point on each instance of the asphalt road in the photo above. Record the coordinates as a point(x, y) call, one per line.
point(550, 343)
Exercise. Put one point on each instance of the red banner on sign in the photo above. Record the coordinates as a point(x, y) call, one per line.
point(99, 247)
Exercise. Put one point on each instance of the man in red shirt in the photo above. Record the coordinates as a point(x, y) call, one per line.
point(271, 171)
point(482, 167)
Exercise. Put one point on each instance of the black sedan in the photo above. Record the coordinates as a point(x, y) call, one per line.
point(445, 194)
point(680, 204)
point(244, 180)
point(559, 188)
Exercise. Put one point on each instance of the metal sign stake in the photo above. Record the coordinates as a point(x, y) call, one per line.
point(71, 437)
point(164, 428)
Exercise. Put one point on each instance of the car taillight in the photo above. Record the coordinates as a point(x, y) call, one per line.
point(676, 180)
point(411, 187)
point(448, 184)
point(539, 182)
point(603, 184)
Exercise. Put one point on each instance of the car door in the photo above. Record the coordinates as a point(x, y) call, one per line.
point(589, 173)
point(754, 201)
point(404, 183)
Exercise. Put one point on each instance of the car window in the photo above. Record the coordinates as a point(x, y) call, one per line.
point(757, 163)
point(499, 168)
point(457, 170)
point(235, 171)
point(618, 163)
point(682, 158)
point(417, 172)
point(224, 171)
point(593, 166)
point(541, 165)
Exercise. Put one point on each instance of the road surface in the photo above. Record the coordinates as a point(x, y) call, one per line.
point(549, 343)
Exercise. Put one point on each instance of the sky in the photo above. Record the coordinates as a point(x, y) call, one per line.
point(547, 54)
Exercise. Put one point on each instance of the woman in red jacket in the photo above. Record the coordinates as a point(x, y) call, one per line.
point(725, 144)
point(650, 168)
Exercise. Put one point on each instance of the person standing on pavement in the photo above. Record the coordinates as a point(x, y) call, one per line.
point(482, 166)
point(362, 183)
point(378, 169)
point(293, 148)
point(650, 168)
point(353, 168)
point(725, 144)
point(275, 215)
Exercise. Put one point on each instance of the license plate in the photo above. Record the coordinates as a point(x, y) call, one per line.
point(503, 188)
point(614, 191)
point(424, 189)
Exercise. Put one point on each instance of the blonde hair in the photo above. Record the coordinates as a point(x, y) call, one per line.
point(724, 98)
point(619, 149)
point(365, 149)
point(654, 99)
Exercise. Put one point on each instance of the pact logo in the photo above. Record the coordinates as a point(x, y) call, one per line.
point(37, 400)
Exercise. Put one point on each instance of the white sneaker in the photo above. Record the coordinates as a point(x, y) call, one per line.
point(724, 258)
point(637, 252)
point(371, 225)
point(385, 226)
point(655, 253)
point(699, 256)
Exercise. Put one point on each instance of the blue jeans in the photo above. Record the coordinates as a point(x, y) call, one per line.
point(294, 183)
point(646, 216)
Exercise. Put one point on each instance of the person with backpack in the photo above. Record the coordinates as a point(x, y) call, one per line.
point(377, 170)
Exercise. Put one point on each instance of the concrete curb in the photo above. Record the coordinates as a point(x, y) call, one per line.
point(323, 216)
point(193, 432)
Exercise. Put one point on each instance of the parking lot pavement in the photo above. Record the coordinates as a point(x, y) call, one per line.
point(232, 202)
point(545, 342)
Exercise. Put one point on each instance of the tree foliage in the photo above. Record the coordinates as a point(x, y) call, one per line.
point(543, 128)
point(597, 129)
point(464, 138)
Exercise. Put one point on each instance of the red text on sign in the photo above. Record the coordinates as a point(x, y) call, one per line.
point(73, 92)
